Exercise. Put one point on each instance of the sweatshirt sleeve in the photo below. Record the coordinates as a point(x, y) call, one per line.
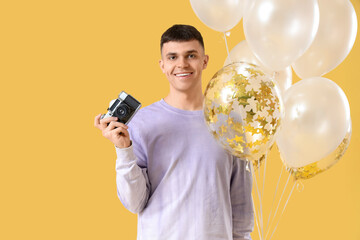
point(241, 201)
point(133, 186)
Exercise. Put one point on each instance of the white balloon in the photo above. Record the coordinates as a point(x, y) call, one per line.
point(333, 41)
point(242, 53)
point(317, 118)
point(220, 15)
point(280, 31)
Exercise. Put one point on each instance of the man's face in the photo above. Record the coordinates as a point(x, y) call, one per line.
point(182, 63)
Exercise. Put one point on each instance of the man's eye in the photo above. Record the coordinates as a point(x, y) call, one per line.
point(192, 56)
point(172, 58)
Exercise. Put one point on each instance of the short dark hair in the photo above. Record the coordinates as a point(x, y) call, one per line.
point(181, 33)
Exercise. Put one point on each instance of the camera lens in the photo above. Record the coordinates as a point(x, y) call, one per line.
point(122, 110)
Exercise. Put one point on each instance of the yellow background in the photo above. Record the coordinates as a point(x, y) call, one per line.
point(61, 64)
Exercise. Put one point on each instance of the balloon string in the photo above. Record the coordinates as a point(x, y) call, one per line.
point(272, 205)
point(283, 209)
point(262, 191)
point(259, 196)
point(278, 204)
point(256, 218)
point(227, 49)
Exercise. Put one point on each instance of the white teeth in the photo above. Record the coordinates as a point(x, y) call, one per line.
point(182, 74)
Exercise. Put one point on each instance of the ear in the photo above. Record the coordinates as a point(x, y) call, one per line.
point(161, 64)
point(206, 60)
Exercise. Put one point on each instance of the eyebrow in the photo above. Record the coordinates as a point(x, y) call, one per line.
point(187, 52)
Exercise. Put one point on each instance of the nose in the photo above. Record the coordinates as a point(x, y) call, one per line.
point(182, 62)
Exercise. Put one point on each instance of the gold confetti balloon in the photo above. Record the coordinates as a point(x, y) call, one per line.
point(316, 128)
point(243, 110)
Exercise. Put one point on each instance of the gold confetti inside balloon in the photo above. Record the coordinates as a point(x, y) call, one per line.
point(313, 169)
point(243, 110)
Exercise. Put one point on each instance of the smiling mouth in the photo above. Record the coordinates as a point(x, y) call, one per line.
point(182, 74)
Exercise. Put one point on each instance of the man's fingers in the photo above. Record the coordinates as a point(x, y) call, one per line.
point(105, 122)
point(108, 120)
point(113, 125)
point(123, 125)
point(116, 124)
point(122, 130)
point(97, 120)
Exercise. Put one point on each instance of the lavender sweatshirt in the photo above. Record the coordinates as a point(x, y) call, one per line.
point(181, 183)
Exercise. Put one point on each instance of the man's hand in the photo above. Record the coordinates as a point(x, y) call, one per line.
point(113, 130)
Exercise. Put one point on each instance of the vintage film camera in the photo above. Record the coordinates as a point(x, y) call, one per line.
point(124, 108)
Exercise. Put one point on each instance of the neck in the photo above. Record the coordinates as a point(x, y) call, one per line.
point(192, 101)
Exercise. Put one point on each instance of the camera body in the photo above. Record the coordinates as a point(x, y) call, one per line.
point(124, 108)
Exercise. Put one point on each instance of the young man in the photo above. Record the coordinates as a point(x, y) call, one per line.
point(172, 172)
